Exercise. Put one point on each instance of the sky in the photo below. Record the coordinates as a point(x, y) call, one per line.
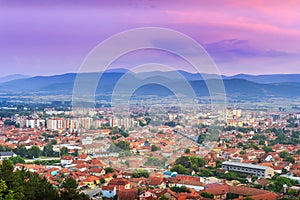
point(54, 37)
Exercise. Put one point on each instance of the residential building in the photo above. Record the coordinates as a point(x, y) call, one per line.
point(255, 170)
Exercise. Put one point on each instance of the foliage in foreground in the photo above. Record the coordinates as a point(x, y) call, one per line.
point(22, 184)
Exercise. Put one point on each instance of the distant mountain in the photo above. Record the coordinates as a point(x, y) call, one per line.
point(237, 87)
point(271, 78)
point(13, 77)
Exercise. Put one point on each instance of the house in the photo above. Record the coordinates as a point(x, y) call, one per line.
point(168, 194)
point(84, 157)
point(147, 194)
point(109, 191)
point(6, 155)
point(222, 192)
point(96, 171)
point(157, 182)
point(131, 194)
point(172, 181)
point(91, 180)
point(120, 183)
point(219, 191)
point(196, 185)
point(66, 160)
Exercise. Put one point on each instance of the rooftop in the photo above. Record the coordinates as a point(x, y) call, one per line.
point(244, 165)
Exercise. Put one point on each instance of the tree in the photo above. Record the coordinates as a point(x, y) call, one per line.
point(254, 178)
point(179, 169)
point(23, 184)
point(242, 152)
point(154, 148)
point(292, 192)
point(109, 170)
point(6, 172)
point(191, 162)
point(290, 159)
point(17, 159)
point(48, 150)
point(76, 153)
point(267, 149)
point(6, 194)
point(207, 195)
point(69, 190)
point(123, 145)
point(206, 173)
point(163, 197)
point(218, 163)
point(140, 173)
point(184, 161)
point(21, 151)
point(152, 161)
point(283, 154)
point(64, 151)
point(277, 184)
point(53, 142)
point(34, 152)
point(180, 189)
point(187, 151)
point(102, 180)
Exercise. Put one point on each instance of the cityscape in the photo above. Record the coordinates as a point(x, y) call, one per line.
point(179, 101)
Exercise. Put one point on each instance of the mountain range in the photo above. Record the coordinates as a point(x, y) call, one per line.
point(241, 86)
point(13, 77)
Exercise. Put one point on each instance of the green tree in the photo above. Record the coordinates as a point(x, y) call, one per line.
point(277, 184)
point(21, 151)
point(102, 180)
point(6, 172)
point(48, 150)
point(151, 161)
point(180, 189)
point(163, 197)
point(218, 163)
point(267, 149)
point(207, 195)
point(69, 190)
point(283, 154)
point(17, 159)
point(76, 153)
point(187, 151)
point(123, 145)
point(206, 173)
point(137, 173)
point(109, 170)
point(64, 151)
point(179, 169)
point(5, 194)
point(292, 192)
point(154, 148)
point(53, 142)
point(290, 159)
point(34, 151)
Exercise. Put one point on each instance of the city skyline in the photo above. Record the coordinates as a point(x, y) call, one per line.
point(46, 38)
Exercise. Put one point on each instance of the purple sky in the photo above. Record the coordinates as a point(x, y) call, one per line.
point(53, 37)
